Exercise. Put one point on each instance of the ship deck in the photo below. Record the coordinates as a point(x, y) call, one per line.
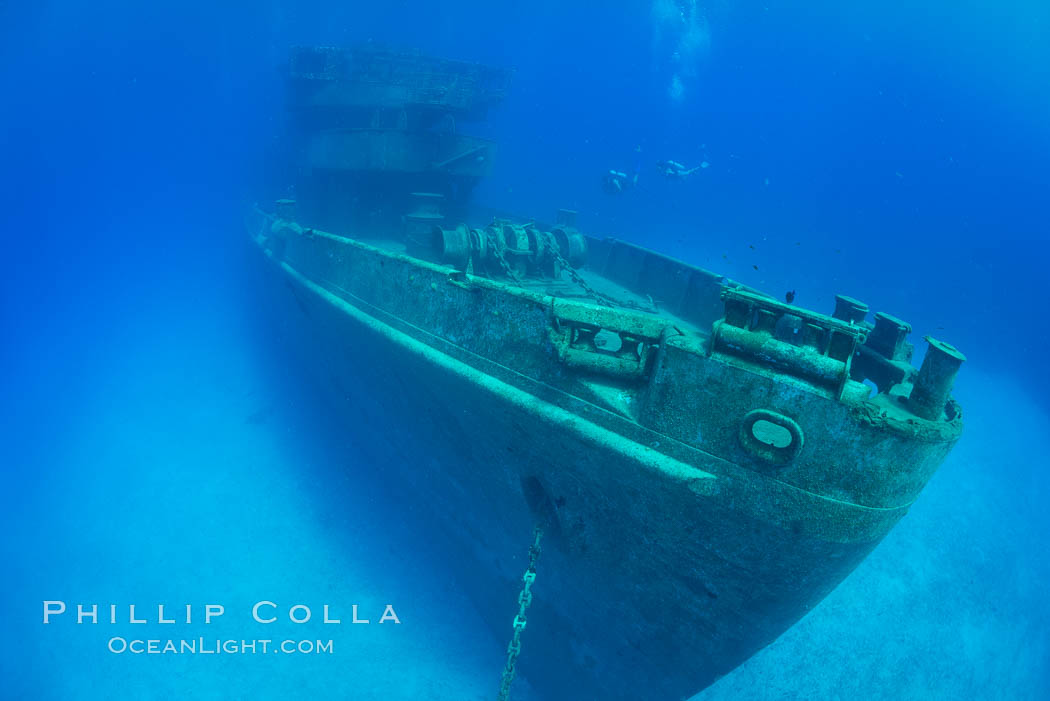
point(566, 288)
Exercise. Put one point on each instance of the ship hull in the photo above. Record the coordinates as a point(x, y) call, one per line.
point(657, 576)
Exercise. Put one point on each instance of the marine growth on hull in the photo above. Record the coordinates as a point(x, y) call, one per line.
point(655, 420)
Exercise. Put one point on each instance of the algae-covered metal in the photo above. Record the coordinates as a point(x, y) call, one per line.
point(706, 461)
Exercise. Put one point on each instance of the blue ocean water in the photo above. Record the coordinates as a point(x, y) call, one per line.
point(157, 449)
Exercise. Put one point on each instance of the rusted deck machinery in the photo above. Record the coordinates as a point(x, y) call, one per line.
point(706, 462)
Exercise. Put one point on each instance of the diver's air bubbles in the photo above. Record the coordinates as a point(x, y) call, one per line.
point(676, 89)
point(681, 41)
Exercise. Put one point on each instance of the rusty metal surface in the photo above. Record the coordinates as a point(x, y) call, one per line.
point(712, 461)
point(690, 387)
point(716, 552)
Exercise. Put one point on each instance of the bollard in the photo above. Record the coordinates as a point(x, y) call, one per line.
point(890, 337)
point(934, 383)
point(849, 309)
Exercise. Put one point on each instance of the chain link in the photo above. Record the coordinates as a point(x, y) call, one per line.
point(603, 298)
point(524, 601)
point(497, 252)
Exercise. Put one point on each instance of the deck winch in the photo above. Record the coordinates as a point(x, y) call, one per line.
point(504, 249)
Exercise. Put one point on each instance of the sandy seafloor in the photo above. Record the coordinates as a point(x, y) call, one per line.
point(181, 462)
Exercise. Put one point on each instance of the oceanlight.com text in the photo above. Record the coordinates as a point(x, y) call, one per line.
point(214, 646)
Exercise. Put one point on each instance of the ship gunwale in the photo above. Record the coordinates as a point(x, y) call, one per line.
point(855, 522)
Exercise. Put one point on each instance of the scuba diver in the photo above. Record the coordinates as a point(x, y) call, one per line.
point(673, 170)
point(614, 182)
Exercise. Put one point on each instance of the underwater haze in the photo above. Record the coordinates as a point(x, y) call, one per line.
point(158, 448)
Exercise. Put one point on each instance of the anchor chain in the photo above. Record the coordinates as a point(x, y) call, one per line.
point(497, 251)
point(603, 298)
point(524, 600)
point(496, 246)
